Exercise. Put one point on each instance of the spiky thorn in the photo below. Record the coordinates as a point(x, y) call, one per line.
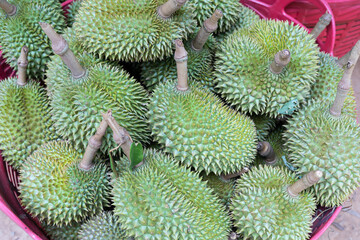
point(120, 135)
point(323, 22)
point(93, 146)
point(345, 82)
point(266, 151)
point(167, 9)
point(233, 175)
point(9, 8)
point(305, 182)
point(210, 25)
point(181, 57)
point(281, 59)
point(61, 48)
point(355, 82)
point(22, 66)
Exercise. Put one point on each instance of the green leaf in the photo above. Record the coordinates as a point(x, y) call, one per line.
point(136, 154)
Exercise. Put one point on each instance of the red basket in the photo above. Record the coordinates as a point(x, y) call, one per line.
point(10, 204)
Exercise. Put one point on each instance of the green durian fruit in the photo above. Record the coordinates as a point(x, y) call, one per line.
point(104, 226)
point(252, 80)
point(78, 103)
point(60, 187)
point(64, 232)
point(263, 125)
point(25, 121)
point(263, 208)
point(222, 188)
point(142, 34)
point(197, 128)
point(22, 29)
point(72, 12)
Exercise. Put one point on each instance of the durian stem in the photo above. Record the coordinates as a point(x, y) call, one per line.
point(305, 182)
point(210, 25)
point(181, 57)
point(93, 146)
point(265, 150)
point(167, 9)
point(120, 135)
point(355, 82)
point(22, 66)
point(345, 82)
point(323, 22)
point(61, 48)
point(233, 236)
point(281, 59)
point(9, 8)
point(232, 175)
point(343, 60)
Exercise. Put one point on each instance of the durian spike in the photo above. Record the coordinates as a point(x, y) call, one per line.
point(210, 25)
point(281, 59)
point(305, 182)
point(61, 48)
point(181, 57)
point(167, 9)
point(9, 8)
point(93, 146)
point(345, 82)
point(120, 135)
point(355, 82)
point(22, 66)
point(266, 150)
point(323, 22)
point(232, 175)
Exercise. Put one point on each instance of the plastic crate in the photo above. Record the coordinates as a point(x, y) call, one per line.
point(10, 204)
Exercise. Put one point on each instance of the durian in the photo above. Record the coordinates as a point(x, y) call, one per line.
point(72, 12)
point(253, 81)
point(25, 121)
point(59, 187)
point(144, 29)
point(104, 226)
point(200, 58)
point(320, 137)
point(268, 204)
point(91, 86)
point(64, 232)
point(263, 125)
point(160, 200)
point(19, 26)
point(222, 187)
point(197, 128)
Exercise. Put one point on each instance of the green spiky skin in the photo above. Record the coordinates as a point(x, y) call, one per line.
point(72, 12)
point(263, 125)
point(64, 232)
point(104, 226)
point(231, 10)
point(162, 200)
point(246, 18)
point(25, 121)
point(243, 72)
point(329, 75)
point(23, 29)
point(318, 141)
point(262, 208)
point(56, 191)
point(78, 103)
point(200, 131)
point(142, 35)
point(222, 188)
point(200, 66)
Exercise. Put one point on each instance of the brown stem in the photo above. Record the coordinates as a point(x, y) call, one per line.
point(167, 9)
point(181, 57)
point(93, 146)
point(266, 150)
point(345, 82)
point(355, 82)
point(232, 175)
point(281, 59)
point(22, 66)
point(61, 48)
point(305, 182)
point(9, 8)
point(323, 22)
point(233, 236)
point(343, 60)
point(120, 135)
point(210, 25)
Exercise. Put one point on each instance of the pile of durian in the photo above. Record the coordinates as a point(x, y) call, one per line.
point(178, 119)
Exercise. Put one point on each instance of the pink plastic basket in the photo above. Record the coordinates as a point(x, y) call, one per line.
point(11, 206)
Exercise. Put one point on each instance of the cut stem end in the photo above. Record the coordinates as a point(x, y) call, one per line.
point(167, 9)
point(181, 57)
point(267, 152)
point(22, 66)
point(323, 22)
point(305, 182)
point(281, 59)
point(9, 8)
